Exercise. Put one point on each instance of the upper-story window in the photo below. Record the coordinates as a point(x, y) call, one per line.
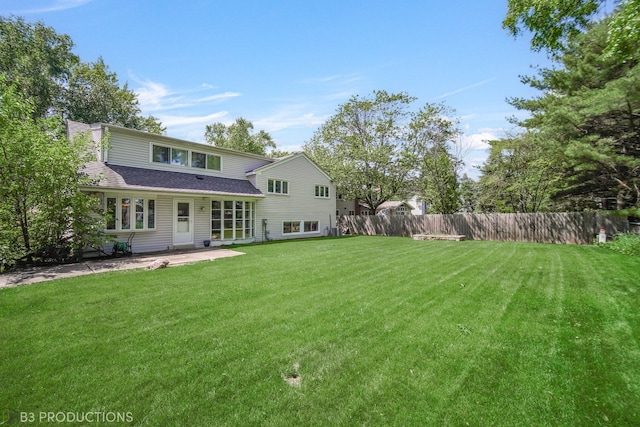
point(161, 154)
point(184, 157)
point(205, 161)
point(277, 186)
point(179, 157)
point(322, 191)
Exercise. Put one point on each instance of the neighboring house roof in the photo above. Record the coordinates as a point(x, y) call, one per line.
point(286, 159)
point(393, 205)
point(130, 178)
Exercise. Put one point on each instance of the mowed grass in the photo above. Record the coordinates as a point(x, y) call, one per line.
point(376, 330)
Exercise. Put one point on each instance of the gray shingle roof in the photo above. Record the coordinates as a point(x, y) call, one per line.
point(130, 178)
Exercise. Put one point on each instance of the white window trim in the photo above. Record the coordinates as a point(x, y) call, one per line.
point(295, 233)
point(246, 235)
point(132, 212)
point(189, 158)
point(274, 185)
point(321, 186)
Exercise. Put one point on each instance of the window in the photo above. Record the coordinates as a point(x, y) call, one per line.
point(160, 154)
point(232, 219)
point(205, 161)
point(277, 186)
point(292, 227)
point(214, 162)
point(125, 218)
point(111, 213)
point(310, 226)
point(289, 227)
point(184, 157)
point(322, 191)
point(151, 214)
point(198, 160)
point(127, 213)
point(179, 157)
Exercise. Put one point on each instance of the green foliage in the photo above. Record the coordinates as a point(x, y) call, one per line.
point(627, 243)
point(624, 31)
point(37, 60)
point(519, 175)
point(363, 147)
point(469, 195)
point(438, 181)
point(376, 150)
point(589, 110)
point(552, 23)
point(41, 64)
point(94, 95)
point(239, 136)
point(43, 213)
point(431, 130)
point(589, 115)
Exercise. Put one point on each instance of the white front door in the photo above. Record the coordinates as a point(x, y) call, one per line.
point(182, 221)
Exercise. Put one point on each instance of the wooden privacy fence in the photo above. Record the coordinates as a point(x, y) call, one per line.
point(574, 228)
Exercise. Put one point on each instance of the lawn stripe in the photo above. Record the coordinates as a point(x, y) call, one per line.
point(382, 331)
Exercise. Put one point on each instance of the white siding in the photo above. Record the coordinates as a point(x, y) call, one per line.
point(202, 220)
point(134, 149)
point(153, 240)
point(300, 204)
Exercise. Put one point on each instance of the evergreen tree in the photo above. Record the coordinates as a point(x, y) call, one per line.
point(590, 110)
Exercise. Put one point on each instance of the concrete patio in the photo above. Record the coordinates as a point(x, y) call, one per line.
point(30, 275)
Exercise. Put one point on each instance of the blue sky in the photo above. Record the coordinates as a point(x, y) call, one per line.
point(288, 65)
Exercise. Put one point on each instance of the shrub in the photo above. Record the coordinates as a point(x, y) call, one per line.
point(626, 243)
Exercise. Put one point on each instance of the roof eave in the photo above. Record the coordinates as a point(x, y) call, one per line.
point(166, 191)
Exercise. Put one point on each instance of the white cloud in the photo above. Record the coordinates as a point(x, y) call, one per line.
point(291, 116)
point(480, 139)
point(175, 120)
point(154, 96)
point(339, 95)
point(334, 79)
point(52, 6)
point(465, 88)
point(219, 97)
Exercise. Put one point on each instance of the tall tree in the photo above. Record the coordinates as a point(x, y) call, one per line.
point(374, 148)
point(553, 22)
point(43, 213)
point(93, 94)
point(469, 194)
point(431, 133)
point(43, 67)
point(520, 175)
point(590, 108)
point(239, 136)
point(37, 60)
point(363, 147)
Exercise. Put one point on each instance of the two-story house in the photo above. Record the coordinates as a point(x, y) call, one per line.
point(162, 193)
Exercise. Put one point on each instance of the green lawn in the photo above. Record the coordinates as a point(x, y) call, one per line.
point(377, 330)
